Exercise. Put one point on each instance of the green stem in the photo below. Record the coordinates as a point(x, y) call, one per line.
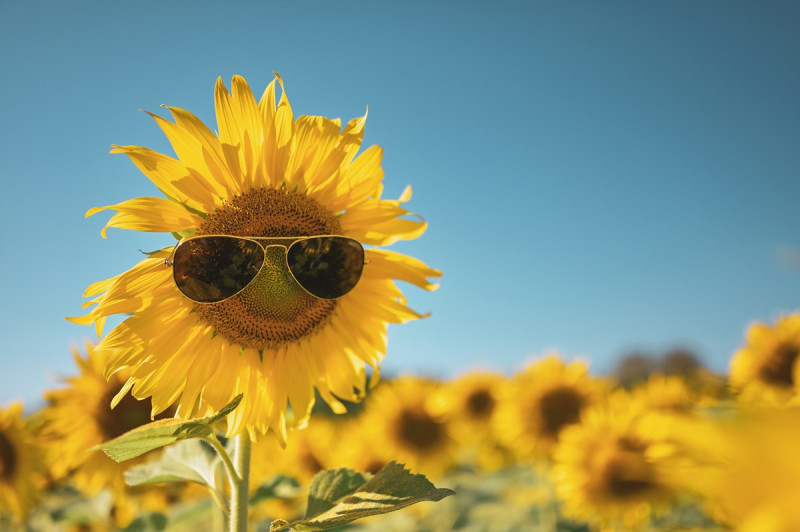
point(240, 485)
point(223, 454)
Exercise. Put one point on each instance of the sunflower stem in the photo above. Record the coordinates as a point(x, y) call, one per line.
point(240, 484)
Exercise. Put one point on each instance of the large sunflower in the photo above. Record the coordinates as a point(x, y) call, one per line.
point(20, 463)
point(265, 174)
point(769, 359)
point(541, 400)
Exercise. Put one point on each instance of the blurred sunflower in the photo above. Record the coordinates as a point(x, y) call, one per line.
point(470, 401)
point(79, 416)
point(266, 174)
point(20, 463)
point(606, 467)
point(769, 357)
point(540, 401)
point(402, 424)
point(354, 451)
point(669, 395)
point(746, 469)
point(308, 451)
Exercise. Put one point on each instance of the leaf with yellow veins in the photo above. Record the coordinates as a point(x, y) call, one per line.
point(339, 496)
point(161, 433)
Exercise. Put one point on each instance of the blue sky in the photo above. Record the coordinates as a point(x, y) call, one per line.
point(598, 177)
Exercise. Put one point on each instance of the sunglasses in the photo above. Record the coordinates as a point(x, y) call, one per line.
point(213, 268)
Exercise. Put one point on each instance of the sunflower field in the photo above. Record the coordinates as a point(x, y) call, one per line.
point(551, 447)
point(240, 387)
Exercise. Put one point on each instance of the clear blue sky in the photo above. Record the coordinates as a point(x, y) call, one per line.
point(598, 176)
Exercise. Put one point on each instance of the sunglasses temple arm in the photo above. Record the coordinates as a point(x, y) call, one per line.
point(169, 261)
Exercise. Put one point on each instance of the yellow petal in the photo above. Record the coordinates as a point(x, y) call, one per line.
point(386, 233)
point(214, 169)
point(169, 175)
point(149, 214)
point(278, 146)
point(313, 159)
point(384, 264)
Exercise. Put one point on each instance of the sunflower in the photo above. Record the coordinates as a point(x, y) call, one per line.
point(401, 423)
point(353, 450)
point(78, 417)
point(307, 452)
point(470, 401)
point(20, 463)
point(265, 174)
point(768, 361)
point(606, 468)
point(541, 400)
point(671, 395)
point(745, 468)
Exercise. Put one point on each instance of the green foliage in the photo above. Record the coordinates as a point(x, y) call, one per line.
point(340, 496)
point(279, 487)
point(162, 433)
point(153, 522)
point(186, 461)
point(68, 506)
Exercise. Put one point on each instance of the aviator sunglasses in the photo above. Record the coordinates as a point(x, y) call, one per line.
point(213, 268)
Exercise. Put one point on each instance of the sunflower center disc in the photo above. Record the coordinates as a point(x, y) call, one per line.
point(273, 310)
point(127, 415)
point(8, 458)
point(628, 474)
point(419, 430)
point(779, 369)
point(558, 408)
point(311, 463)
point(480, 404)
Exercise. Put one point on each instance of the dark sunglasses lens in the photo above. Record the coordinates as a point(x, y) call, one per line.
point(327, 266)
point(213, 268)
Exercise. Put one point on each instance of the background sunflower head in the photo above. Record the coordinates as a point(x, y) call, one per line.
point(79, 416)
point(20, 462)
point(769, 358)
point(402, 423)
point(470, 402)
point(547, 396)
point(607, 470)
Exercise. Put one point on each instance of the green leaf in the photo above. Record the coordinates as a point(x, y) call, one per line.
point(73, 508)
point(187, 461)
point(280, 487)
point(330, 486)
point(202, 515)
point(153, 522)
point(340, 496)
point(161, 433)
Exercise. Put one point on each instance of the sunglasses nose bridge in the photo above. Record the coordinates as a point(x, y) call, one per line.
point(285, 253)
